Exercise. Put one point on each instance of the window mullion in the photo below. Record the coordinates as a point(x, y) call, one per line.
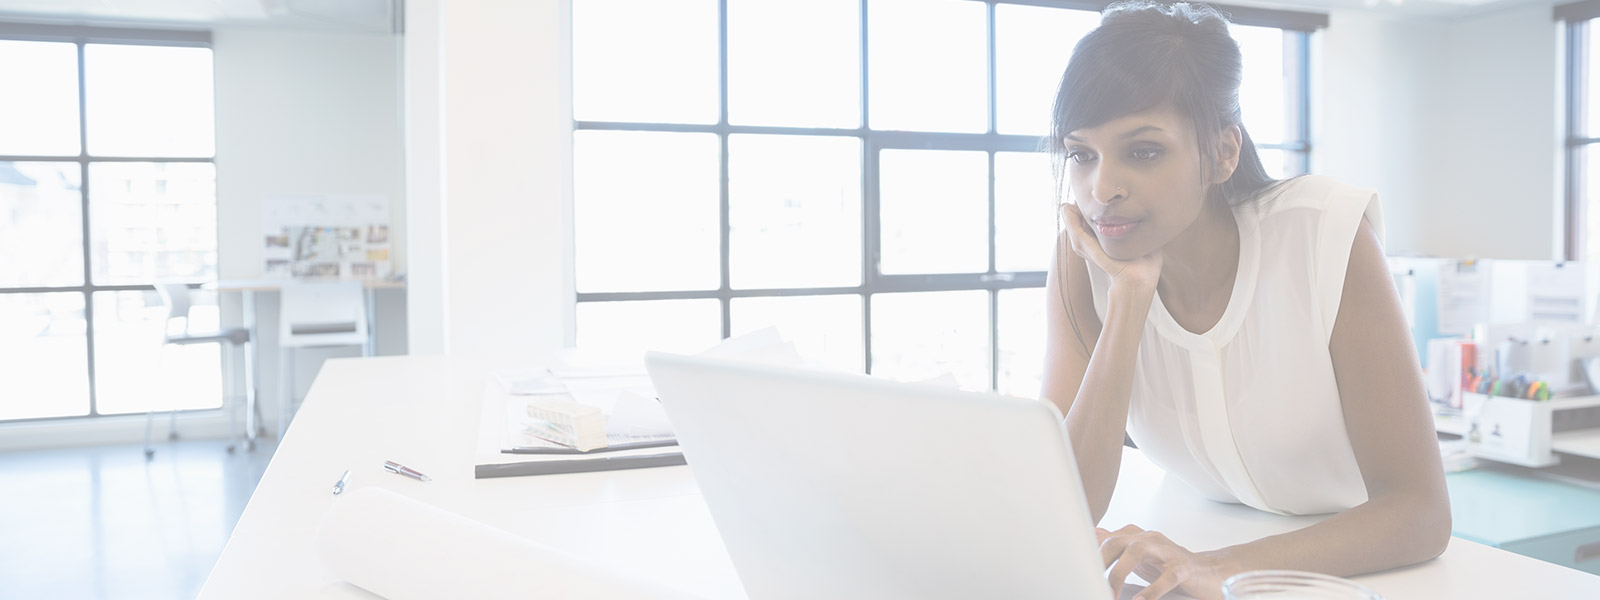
point(84, 204)
point(723, 201)
point(1577, 242)
point(869, 199)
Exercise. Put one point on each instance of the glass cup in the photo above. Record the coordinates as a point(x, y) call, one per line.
point(1293, 585)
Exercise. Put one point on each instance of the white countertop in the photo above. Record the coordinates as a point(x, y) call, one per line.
point(424, 412)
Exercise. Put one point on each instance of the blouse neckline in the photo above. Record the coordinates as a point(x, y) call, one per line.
point(1244, 286)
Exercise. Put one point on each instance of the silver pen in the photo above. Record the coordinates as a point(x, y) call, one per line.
point(399, 469)
point(338, 486)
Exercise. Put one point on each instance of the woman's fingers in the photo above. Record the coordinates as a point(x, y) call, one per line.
point(1083, 241)
point(1087, 245)
point(1113, 542)
point(1111, 549)
point(1132, 554)
point(1121, 552)
point(1167, 582)
point(1143, 271)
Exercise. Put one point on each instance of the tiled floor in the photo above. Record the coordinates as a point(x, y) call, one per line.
point(101, 522)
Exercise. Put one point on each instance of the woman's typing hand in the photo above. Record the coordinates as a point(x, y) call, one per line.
point(1167, 566)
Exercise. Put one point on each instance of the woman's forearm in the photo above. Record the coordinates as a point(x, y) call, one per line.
point(1099, 413)
point(1384, 533)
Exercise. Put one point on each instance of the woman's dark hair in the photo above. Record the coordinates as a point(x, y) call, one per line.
point(1142, 55)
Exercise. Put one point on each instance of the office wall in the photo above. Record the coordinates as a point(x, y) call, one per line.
point(306, 113)
point(1454, 121)
point(1371, 76)
point(1499, 194)
point(489, 120)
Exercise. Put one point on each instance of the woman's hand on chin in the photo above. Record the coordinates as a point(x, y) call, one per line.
point(1167, 566)
point(1139, 273)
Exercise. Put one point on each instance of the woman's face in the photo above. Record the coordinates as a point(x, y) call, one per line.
point(1137, 180)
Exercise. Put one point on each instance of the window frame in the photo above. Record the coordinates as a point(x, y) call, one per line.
point(1576, 19)
point(1576, 24)
point(81, 36)
point(873, 282)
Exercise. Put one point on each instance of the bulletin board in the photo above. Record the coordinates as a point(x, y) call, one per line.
point(326, 236)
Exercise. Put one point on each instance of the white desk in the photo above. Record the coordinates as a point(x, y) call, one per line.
point(423, 412)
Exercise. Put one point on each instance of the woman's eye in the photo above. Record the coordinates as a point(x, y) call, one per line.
point(1146, 154)
point(1079, 156)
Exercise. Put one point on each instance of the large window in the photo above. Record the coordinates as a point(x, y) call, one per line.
point(107, 184)
point(1583, 132)
point(864, 174)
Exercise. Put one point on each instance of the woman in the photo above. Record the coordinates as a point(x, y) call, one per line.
point(1244, 332)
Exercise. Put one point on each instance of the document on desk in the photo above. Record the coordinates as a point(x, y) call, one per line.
point(638, 434)
point(441, 554)
point(506, 448)
point(621, 433)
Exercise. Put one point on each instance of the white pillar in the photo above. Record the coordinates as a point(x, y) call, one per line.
point(489, 155)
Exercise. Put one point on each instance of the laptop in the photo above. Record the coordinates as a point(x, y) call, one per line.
point(838, 485)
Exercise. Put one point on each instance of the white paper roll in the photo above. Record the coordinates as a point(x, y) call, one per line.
point(402, 549)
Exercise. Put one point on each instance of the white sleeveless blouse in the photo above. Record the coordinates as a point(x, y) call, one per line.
point(1249, 412)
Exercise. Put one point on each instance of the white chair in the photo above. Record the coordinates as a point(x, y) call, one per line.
point(175, 295)
point(315, 315)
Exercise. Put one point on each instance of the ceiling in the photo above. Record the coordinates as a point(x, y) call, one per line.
point(372, 16)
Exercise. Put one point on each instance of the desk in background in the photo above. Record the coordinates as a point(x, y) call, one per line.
point(1517, 510)
point(424, 412)
point(248, 288)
